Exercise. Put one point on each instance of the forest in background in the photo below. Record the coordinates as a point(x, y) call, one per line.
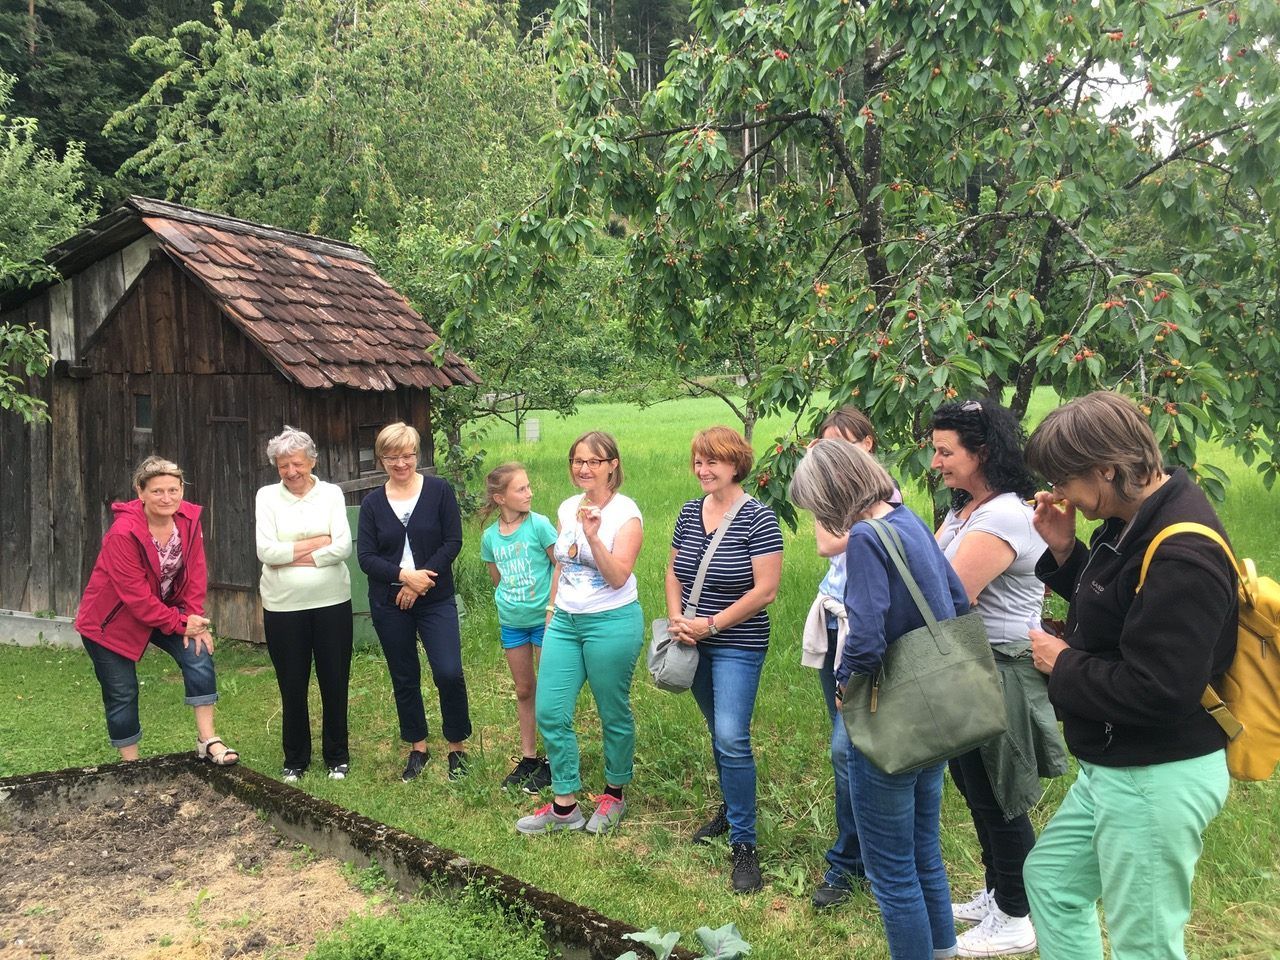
point(786, 205)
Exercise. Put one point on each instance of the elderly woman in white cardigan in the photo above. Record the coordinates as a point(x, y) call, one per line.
point(303, 538)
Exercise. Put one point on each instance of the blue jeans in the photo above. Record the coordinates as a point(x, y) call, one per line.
point(725, 688)
point(899, 831)
point(118, 677)
point(398, 632)
point(844, 859)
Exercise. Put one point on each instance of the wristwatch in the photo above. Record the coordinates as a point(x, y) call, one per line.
point(712, 629)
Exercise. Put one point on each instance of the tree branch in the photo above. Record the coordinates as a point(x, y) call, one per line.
point(1182, 150)
point(787, 118)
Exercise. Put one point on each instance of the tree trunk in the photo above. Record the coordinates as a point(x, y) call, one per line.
point(749, 417)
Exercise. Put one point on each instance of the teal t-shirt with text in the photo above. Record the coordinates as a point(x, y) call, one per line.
point(521, 557)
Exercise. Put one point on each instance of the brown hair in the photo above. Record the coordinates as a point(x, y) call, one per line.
point(1101, 429)
point(851, 422)
point(602, 443)
point(155, 466)
point(837, 481)
point(396, 436)
point(726, 445)
point(495, 484)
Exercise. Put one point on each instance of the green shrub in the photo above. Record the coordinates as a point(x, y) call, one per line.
point(467, 928)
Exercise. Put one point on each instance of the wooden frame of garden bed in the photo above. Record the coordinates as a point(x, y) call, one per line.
point(410, 862)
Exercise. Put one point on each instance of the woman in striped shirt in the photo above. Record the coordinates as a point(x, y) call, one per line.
point(730, 627)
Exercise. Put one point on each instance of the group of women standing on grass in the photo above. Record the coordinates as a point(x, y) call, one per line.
point(1125, 678)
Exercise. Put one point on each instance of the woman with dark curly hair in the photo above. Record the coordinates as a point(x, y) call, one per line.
point(989, 539)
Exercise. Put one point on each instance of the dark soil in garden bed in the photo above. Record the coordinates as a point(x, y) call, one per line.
point(162, 871)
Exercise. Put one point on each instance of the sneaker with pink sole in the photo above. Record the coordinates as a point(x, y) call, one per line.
point(608, 814)
point(546, 820)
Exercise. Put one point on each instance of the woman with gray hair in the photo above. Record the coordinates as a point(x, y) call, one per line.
point(1126, 680)
point(303, 538)
point(898, 815)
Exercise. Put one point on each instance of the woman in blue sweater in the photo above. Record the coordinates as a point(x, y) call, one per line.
point(898, 815)
point(410, 534)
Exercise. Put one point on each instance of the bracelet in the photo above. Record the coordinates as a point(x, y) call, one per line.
point(551, 608)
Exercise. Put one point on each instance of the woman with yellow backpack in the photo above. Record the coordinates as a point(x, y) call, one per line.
point(1126, 681)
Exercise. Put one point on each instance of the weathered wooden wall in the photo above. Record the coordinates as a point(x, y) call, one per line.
point(215, 401)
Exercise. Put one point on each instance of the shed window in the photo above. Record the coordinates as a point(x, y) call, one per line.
point(142, 411)
point(368, 462)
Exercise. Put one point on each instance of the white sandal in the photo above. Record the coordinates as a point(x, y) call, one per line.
point(220, 759)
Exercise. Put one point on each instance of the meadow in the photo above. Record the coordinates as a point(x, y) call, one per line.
point(648, 874)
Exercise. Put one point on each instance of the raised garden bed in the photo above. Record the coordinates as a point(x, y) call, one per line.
point(114, 861)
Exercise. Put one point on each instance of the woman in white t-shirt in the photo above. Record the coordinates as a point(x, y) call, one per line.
point(989, 539)
point(594, 634)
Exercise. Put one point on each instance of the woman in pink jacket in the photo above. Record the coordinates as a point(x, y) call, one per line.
point(148, 586)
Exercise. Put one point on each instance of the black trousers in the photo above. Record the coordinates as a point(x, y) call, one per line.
point(1005, 843)
point(294, 639)
point(436, 624)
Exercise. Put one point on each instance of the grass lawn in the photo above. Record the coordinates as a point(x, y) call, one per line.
point(52, 717)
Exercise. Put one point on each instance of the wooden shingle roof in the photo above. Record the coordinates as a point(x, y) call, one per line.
point(316, 307)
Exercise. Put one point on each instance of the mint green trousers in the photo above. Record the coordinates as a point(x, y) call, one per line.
point(599, 649)
point(1130, 837)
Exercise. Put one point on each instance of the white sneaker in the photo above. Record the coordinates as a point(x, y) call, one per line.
point(999, 935)
point(976, 910)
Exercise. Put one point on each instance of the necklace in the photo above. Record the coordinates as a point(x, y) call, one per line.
point(583, 506)
point(508, 527)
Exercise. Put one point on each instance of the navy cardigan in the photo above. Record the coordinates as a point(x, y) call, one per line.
point(435, 537)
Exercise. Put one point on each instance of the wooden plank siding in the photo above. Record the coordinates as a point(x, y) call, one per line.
point(136, 324)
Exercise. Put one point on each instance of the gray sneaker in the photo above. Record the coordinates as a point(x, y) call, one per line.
point(608, 814)
point(546, 820)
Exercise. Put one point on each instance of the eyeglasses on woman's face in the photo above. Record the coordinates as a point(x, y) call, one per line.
point(593, 463)
point(399, 459)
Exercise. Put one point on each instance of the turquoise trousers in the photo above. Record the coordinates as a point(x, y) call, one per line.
point(1130, 837)
point(599, 649)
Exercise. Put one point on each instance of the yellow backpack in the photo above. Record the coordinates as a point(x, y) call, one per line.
point(1247, 703)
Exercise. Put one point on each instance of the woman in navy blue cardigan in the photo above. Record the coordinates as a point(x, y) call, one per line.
point(410, 534)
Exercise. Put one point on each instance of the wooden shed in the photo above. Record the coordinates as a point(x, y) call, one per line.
point(198, 336)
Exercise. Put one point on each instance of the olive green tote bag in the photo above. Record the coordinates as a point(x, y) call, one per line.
point(937, 694)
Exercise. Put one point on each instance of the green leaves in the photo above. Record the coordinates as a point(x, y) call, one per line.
point(892, 206)
point(723, 943)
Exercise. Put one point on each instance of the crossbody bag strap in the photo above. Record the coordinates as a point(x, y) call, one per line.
point(691, 608)
point(897, 553)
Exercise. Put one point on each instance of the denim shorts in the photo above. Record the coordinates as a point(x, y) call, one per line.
point(513, 637)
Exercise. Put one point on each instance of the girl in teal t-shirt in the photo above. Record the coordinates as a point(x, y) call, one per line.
point(519, 549)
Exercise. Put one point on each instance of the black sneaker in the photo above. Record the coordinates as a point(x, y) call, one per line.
point(746, 869)
point(540, 779)
point(717, 826)
point(457, 764)
point(827, 895)
point(522, 772)
point(413, 766)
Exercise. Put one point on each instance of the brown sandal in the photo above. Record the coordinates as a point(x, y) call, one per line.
point(220, 759)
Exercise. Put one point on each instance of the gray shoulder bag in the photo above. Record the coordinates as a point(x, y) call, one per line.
point(672, 664)
point(937, 694)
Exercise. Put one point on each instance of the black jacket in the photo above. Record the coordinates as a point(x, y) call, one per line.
point(1128, 689)
point(435, 537)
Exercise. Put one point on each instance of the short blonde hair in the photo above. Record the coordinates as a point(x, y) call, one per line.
point(837, 481)
point(155, 466)
point(603, 444)
point(396, 436)
point(726, 445)
point(1100, 429)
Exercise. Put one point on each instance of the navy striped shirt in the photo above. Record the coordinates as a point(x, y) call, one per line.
point(754, 533)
